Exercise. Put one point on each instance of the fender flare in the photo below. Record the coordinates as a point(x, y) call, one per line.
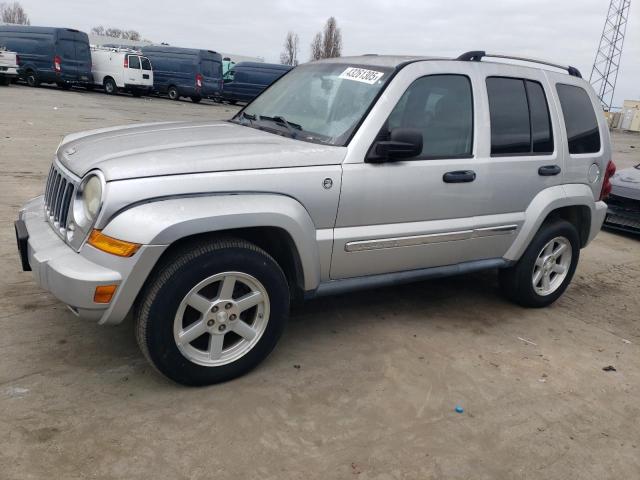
point(166, 221)
point(544, 203)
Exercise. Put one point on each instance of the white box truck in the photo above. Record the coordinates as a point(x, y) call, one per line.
point(118, 69)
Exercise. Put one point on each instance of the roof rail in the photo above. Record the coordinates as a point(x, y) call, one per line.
point(477, 55)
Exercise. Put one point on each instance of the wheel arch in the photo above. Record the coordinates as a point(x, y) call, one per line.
point(278, 224)
point(573, 202)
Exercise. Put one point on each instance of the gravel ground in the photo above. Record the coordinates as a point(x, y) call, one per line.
point(361, 385)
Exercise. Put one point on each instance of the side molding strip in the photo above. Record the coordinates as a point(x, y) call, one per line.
point(396, 242)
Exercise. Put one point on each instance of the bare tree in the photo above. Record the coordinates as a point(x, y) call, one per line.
point(316, 47)
point(327, 44)
point(99, 30)
point(289, 55)
point(331, 39)
point(13, 13)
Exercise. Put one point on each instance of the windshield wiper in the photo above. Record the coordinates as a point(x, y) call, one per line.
point(292, 127)
point(248, 116)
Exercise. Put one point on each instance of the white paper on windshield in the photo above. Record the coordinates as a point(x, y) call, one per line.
point(361, 75)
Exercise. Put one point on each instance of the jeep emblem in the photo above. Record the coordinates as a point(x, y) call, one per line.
point(327, 183)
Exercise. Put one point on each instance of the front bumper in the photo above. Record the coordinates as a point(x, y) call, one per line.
point(72, 276)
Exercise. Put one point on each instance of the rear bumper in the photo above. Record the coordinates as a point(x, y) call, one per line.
point(623, 214)
point(597, 219)
point(8, 72)
point(72, 277)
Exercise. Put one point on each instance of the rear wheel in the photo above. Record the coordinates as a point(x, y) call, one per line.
point(136, 93)
point(110, 87)
point(173, 93)
point(212, 311)
point(5, 81)
point(545, 270)
point(32, 78)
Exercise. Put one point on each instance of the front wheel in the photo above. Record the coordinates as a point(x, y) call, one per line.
point(545, 270)
point(32, 79)
point(212, 311)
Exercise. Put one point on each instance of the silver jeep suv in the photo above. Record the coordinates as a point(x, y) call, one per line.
point(345, 173)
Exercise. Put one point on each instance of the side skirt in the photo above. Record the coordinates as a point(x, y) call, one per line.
point(335, 287)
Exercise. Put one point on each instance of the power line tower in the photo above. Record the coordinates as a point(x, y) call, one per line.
point(606, 65)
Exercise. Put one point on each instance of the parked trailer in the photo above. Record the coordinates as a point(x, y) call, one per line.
point(119, 69)
point(50, 55)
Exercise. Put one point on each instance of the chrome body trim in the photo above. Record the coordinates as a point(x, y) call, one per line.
point(414, 240)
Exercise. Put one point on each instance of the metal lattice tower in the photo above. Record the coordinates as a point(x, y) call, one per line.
point(606, 65)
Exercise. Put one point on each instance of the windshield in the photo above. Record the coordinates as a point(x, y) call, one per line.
point(321, 102)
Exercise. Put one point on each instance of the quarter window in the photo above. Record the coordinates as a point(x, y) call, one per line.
point(579, 119)
point(520, 121)
point(441, 107)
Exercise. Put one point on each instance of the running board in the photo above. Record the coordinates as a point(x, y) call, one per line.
point(334, 287)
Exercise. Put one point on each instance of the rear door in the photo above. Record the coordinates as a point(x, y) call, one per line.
point(66, 50)
point(83, 61)
point(147, 71)
point(211, 71)
point(133, 74)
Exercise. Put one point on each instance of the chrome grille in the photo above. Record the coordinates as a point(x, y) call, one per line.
point(58, 195)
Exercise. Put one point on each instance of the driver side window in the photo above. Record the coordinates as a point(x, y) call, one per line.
point(441, 108)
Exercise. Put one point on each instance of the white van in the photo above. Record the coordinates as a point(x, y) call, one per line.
point(117, 69)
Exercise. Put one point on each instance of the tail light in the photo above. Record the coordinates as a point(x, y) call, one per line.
point(199, 81)
point(606, 184)
point(126, 61)
point(57, 63)
point(18, 60)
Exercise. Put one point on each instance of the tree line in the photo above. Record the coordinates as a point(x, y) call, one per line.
point(325, 44)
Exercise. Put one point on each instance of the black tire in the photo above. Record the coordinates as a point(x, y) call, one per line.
point(173, 93)
point(31, 78)
point(110, 87)
point(64, 85)
point(136, 93)
point(175, 277)
point(516, 282)
point(5, 81)
point(196, 99)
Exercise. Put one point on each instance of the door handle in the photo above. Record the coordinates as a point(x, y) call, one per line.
point(459, 176)
point(549, 170)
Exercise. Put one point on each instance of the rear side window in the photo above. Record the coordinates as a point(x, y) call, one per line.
point(441, 107)
point(520, 121)
point(146, 64)
point(579, 119)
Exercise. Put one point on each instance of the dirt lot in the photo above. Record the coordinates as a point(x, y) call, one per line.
point(361, 386)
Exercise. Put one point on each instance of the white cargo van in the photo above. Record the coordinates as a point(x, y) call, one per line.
point(117, 69)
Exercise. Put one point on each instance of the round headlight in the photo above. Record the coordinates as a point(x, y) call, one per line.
point(92, 197)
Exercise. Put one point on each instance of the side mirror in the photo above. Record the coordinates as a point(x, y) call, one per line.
point(402, 143)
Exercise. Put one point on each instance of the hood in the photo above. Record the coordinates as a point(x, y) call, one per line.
point(147, 150)
point(626, 183)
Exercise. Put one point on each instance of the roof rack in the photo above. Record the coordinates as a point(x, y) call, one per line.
point(476, 56)
point(117, 49)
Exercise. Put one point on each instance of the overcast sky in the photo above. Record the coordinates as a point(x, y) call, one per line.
point(566, 31)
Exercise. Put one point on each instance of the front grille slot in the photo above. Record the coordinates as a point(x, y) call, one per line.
point(58, 195)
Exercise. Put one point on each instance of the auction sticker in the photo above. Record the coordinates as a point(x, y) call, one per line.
point(361, 75)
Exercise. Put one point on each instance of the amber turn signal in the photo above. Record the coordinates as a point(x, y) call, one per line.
point(104, 293)
point(111, 245)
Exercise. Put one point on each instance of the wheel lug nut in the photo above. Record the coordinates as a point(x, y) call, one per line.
point(232, 317)
point(227, 306)
point(214, 309)
point(222, 328)
point(210, 323)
